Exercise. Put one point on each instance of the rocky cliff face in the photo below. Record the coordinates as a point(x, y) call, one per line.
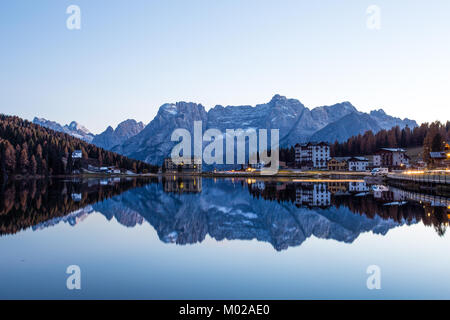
point(314, 120)
point(356, 123)
point(111, 138)
point(387, 122)
point(295, 122)
point(350, 125)
point(153, 143)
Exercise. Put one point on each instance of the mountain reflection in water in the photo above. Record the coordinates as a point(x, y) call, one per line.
point(185, 210)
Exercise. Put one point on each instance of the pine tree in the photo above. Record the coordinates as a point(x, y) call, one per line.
point(23, 160)
point(33, 165)
point(437, 144)
point(9, 157)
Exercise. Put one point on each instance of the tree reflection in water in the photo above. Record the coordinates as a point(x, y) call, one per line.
point(184, 210)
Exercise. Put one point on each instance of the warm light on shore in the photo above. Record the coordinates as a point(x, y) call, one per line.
point(414, 172)
point(327, 180)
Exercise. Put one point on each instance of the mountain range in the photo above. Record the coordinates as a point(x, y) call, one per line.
point(74, 128)
point(296, 123)
point(108, 139)
point(113, 137)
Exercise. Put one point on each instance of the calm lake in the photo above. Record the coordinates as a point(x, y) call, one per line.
point(194, 238)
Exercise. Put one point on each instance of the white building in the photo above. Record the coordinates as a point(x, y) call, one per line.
point(357, 164)
point(312, 155)
point(77, 197)
point(259, 185)
point(313, 195)
point(77, 154)
point(390, 158)
point(258, 165)
point(358, 187)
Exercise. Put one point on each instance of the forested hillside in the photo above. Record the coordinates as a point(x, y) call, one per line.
point(29, 149)
point(429, 135)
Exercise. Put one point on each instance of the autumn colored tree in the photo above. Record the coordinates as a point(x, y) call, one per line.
point(9, 156)
point(23, 160)
point(33, 165)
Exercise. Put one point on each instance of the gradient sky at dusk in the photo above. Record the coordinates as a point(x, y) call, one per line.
point(132, 56)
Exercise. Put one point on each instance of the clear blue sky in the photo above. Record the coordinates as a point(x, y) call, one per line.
point(132, 56)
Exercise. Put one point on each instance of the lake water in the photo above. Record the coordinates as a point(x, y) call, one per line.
point(173, 238)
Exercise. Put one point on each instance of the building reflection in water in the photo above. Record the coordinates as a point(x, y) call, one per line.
point(309, 194)
point(313, 195)
point(359, 186)
point(187, 184)
point(258, 185)
point(319, 194)
point(338, 187)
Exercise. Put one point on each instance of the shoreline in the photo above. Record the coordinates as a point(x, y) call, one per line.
point(335, 175)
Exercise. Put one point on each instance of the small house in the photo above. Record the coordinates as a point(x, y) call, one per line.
point(394, 158)
point(77, 154)
point(348, 164)
point(358, 164)
point(440, 159)
point(338, 164)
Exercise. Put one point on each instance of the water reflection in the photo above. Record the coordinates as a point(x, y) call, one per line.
point(28, 203)
point(185, 210)
point(182, 184)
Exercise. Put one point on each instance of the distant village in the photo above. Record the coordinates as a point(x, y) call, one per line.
point(308, 157)
point(89, 165)
point(316, 156)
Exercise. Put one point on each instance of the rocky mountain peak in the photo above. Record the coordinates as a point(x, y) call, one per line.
point(73, 129)
point(110, 138)
point(277, 97)
point(378, 112)
point(75, 126)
